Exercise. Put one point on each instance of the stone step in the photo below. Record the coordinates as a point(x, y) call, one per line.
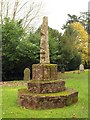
point(50, 100)
point(51, 86)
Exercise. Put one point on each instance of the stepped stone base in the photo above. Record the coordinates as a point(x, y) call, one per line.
point(50, 100)
point(44, 72)
point(46, 86)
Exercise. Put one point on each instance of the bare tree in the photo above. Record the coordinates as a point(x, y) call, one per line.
point(1, 6)
point(27, 12)
point(15, 8)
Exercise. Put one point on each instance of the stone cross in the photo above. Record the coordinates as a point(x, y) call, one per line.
point(26, 74)
point(44, 46)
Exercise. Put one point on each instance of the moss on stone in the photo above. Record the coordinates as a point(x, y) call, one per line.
point(44, 81)
point(49, 64)
point(66, 92)
point(44, 71)
point(45, 64)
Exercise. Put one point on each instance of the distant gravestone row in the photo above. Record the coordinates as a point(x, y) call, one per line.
point(26, 74)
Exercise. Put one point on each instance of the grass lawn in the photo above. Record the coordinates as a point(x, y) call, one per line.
point(10, 108)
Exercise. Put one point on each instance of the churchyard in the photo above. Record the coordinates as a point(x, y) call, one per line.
point(44, 71)
point(50, 94)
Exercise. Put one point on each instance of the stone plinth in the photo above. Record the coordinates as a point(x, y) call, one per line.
point(44, 72)
point(43, 101)
point(46, 86)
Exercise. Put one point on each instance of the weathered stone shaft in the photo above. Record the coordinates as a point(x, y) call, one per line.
point(44, 46)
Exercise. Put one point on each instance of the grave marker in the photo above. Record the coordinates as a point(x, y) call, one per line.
point(26, 74)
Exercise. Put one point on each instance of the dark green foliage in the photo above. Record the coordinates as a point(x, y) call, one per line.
point(53, 44)
point(19, 50)
point(74, 63)
point(12, 34)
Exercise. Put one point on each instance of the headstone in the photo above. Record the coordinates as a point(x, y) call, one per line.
point(26, 74)
point(81, 67)
point(44, 46)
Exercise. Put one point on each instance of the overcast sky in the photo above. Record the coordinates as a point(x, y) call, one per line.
point(57, 10)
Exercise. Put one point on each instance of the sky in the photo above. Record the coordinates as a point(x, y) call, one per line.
point(57, 11)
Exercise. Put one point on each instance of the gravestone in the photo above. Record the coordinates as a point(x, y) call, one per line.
point(45, 90)
point(81, 67)
point(26, 74)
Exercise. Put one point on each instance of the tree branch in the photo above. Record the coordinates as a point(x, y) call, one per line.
point(15, 9)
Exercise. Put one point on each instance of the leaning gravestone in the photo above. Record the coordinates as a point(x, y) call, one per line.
point(26, 74)
point(81, 67)
point(45, 90)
